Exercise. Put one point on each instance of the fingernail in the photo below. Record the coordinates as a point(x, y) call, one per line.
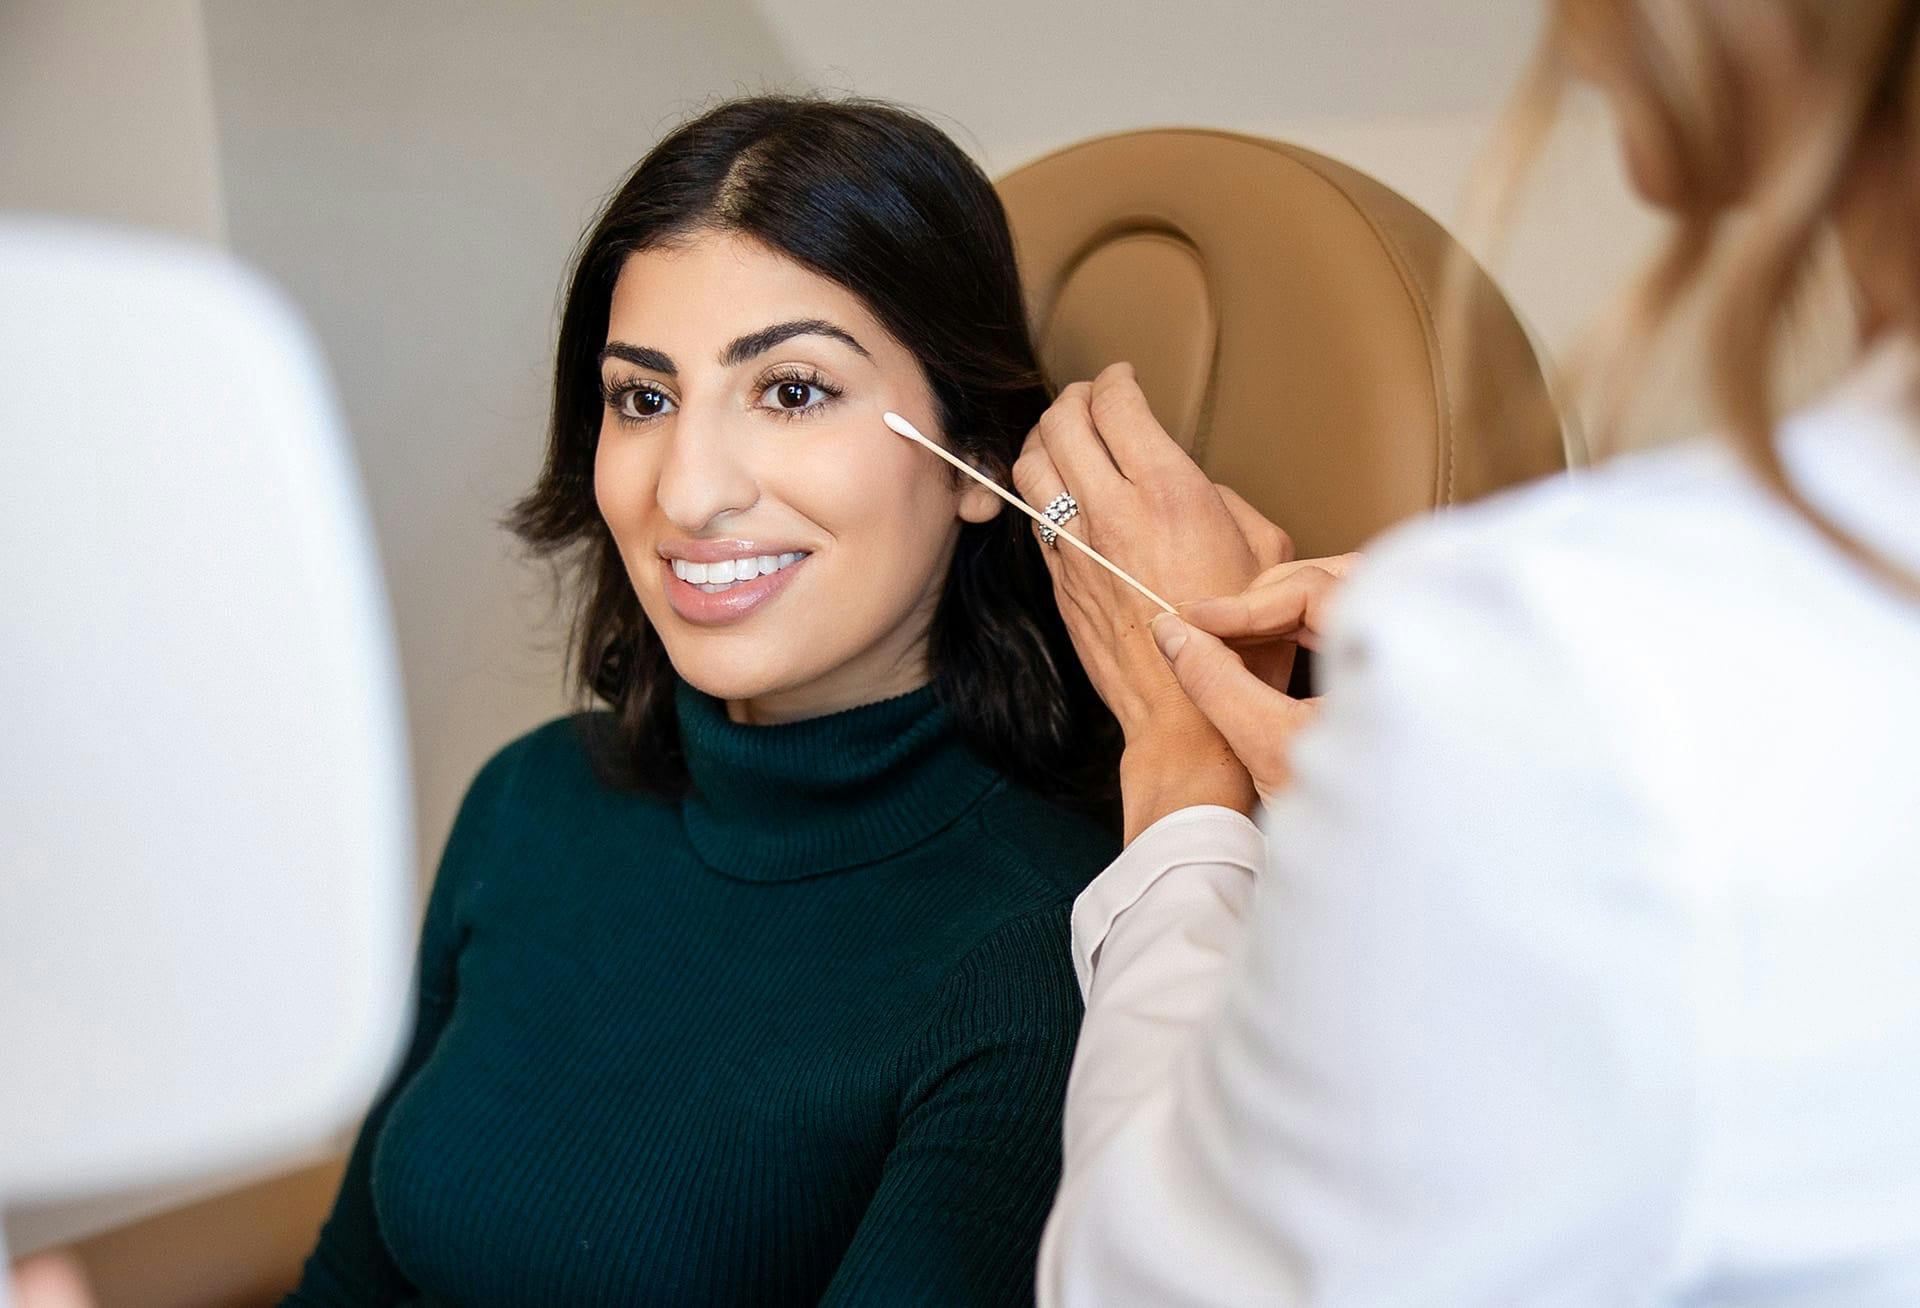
point(1169, 633)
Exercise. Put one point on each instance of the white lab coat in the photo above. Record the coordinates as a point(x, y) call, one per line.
point(1581, 963)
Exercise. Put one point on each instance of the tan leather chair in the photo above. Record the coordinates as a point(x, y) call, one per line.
point(1280, 309)
point(1282, 312)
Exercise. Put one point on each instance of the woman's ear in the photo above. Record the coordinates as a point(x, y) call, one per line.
point(977, 503)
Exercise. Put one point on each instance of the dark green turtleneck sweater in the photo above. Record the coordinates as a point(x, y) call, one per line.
point(800, 1038)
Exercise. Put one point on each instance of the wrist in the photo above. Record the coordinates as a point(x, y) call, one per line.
point(1176, 767)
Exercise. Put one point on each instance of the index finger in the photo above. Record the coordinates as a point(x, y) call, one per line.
point(1140, 446)
point(1066, 430)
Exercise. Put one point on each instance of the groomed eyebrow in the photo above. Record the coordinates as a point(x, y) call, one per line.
point(652, 360)
point(746, 347)
point(739, 350)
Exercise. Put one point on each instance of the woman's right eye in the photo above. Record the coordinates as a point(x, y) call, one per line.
point(638, 403)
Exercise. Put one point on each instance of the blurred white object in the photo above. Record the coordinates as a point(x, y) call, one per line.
point(206, 852)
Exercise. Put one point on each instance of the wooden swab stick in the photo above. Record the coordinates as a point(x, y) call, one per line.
point(908, 430)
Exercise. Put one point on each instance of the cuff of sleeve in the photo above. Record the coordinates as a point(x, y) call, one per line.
point(1204, 833)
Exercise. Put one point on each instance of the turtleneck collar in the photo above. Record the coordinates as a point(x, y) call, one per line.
point(799, 799)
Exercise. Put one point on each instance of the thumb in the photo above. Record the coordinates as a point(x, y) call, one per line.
point(1256, 720)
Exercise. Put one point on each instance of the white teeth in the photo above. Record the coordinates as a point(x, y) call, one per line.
point(714, 577)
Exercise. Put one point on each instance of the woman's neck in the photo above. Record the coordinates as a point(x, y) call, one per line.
point(894, 664)
point(878, 673)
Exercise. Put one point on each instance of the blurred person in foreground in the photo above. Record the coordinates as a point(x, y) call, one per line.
point(1573, 958)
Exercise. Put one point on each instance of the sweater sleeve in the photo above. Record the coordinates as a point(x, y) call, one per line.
point(351, 1267)
point(957, 1217)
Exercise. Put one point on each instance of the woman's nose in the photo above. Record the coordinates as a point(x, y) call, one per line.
point(702, 474)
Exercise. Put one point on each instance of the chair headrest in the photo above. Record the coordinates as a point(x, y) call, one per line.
point(1282, 311)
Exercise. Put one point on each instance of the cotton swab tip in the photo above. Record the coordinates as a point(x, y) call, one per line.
point(904, 428)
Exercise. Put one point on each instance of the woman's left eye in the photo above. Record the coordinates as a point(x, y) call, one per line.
point(793, 395)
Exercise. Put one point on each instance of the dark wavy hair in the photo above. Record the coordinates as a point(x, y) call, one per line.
point(883, 203)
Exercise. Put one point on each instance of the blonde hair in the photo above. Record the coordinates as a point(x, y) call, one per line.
point(1676, 67)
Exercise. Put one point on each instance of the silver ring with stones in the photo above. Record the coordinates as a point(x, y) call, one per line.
point(1060, 510)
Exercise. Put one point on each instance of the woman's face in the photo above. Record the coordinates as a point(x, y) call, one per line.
point(742, 438)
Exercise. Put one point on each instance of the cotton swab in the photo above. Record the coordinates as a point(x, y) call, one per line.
point(907, 429)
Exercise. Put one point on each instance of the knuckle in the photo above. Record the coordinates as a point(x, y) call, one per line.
point(1068, 407)
point(1181, 495)
point(1115, 397)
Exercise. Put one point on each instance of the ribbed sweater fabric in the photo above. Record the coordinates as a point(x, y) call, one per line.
point(801, 1038)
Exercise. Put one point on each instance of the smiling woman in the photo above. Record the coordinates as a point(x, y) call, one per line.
point(751, 983)
point(768, 282)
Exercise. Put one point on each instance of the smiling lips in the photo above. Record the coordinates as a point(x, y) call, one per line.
point(728, 582)
point(716, 577)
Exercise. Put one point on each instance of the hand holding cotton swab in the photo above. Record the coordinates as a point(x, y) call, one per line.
point(907, 429)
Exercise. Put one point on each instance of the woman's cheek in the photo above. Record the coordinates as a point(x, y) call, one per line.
point(623, 483)
point(839, 480)
point(618, 483)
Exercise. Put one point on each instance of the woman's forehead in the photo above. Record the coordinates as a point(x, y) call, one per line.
point(720, 286)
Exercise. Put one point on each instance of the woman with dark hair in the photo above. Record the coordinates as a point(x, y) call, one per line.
point(754, 985)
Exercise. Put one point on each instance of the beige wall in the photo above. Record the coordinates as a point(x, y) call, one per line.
point(106, 112)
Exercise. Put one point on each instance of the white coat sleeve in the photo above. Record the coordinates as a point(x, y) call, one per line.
point(1435, 1049)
